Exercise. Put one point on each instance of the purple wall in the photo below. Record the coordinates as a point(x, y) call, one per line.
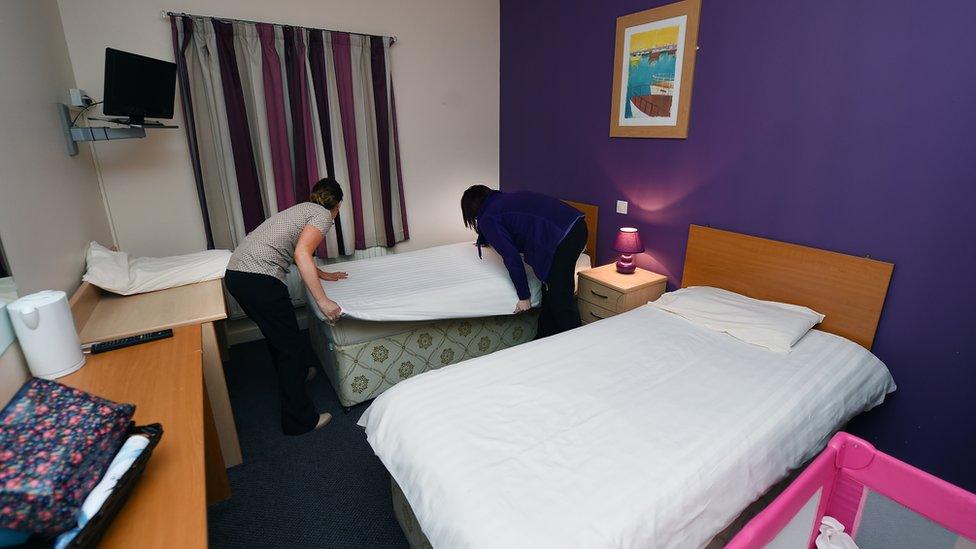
point(836, 124)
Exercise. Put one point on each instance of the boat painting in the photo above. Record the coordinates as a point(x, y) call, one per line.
point(653, 62)
point(653, 71)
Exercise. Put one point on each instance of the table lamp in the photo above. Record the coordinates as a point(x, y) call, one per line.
point(628, 243)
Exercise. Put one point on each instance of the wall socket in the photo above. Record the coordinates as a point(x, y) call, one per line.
point(78, 98)
point(621, 206)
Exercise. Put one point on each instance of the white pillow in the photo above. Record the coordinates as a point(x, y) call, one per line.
point(116, 272)
point(775, 326)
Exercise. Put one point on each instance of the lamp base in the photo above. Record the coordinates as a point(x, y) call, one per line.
point(626, 264)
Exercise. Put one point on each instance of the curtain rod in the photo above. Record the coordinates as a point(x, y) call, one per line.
point(166, 14)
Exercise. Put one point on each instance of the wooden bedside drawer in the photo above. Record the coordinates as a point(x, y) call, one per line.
point(598, 294)
point(604, 292)
point(591, 313)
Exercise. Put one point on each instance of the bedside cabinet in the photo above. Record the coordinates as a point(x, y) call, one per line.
point(604, 292)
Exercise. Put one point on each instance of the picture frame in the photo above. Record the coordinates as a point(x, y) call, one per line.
point(653, 71)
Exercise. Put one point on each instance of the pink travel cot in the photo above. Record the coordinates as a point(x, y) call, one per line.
point(879, 501)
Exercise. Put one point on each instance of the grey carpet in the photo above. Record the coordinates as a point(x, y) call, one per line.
point(322, 489)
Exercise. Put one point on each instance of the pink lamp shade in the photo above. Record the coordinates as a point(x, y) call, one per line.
point(628, 243)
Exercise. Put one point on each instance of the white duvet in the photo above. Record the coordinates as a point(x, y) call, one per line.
point(443, 282)
point(641, 430)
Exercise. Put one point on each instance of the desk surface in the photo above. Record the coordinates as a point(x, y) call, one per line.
point(164, 379)
point(113, 316)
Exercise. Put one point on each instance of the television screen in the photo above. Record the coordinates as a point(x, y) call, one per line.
point(137, 86)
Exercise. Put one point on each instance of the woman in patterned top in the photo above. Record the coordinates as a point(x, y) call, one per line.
point(256, 278)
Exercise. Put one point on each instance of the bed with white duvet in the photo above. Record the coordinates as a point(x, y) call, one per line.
point(442, 282)
point(411, 312)
point(642, 430)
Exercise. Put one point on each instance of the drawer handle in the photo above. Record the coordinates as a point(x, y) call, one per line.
point(601, 296)
point(594, 315)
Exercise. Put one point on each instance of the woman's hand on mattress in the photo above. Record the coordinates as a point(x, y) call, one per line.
point(523, 305)
point(330, 309)
point(332, 277)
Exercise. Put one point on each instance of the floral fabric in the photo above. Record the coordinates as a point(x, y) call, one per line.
point(407, 519)
point(362, 371)
point(55, 444)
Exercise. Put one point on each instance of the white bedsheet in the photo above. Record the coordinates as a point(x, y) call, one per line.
point(641, 430)
point(435, 283)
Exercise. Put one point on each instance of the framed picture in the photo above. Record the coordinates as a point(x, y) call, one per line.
point(653, 68)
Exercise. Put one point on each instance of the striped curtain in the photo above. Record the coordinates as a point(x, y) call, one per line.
point(271, 109)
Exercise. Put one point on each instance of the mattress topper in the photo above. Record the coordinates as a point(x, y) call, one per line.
point(442, 282)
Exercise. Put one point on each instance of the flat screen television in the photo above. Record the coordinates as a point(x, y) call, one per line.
point(138, 87)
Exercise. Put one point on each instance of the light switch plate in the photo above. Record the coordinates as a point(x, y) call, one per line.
point(621, 206)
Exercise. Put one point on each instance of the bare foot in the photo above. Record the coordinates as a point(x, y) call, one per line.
point(312, 372)
point(324, 419)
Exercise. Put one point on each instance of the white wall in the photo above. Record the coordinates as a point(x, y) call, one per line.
point(445, 71)
point(50, 203)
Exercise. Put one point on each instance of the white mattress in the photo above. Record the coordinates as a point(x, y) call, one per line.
point(435, 283)
point(641, 430)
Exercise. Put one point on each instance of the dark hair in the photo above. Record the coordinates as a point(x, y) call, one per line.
point(471, 202)
point(326, 193)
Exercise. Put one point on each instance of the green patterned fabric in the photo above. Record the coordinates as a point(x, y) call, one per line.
point(408, 521)
point(363, 371)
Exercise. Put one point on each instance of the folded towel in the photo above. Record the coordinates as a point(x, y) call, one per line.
point(123, 460)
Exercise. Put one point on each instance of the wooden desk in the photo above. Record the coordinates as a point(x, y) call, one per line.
point(104, 316)
point(112, 316)
point(164, 379)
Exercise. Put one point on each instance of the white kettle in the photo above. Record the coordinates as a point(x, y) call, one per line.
point(47, 335)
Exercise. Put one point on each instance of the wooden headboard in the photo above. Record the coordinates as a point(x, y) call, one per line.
point(849, 290)
point(591, 215)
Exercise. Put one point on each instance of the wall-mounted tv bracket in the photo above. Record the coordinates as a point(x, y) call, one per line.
point(74, 134)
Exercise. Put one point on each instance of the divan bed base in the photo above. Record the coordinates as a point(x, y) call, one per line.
point(418, 540)
point(362, 371)
point(407, 520)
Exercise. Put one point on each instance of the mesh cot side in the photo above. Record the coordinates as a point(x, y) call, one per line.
point(879, 500)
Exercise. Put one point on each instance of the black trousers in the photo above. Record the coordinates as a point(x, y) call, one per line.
point(265, 300)
point(559, 311)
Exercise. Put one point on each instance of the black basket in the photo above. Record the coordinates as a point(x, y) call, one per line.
point(95, 528)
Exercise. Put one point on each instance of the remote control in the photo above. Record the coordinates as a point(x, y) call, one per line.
point(129, 341)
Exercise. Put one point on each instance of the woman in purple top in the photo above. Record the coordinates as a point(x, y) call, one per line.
point(549, 233)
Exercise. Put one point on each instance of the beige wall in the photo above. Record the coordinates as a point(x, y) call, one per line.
point(445, 67)
point(50, 204)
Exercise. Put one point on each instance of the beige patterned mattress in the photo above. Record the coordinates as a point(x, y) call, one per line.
point(364, 358)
